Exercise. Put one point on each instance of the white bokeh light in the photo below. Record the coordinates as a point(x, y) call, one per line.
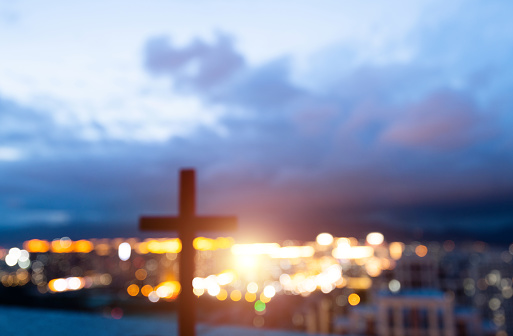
point(124, 251)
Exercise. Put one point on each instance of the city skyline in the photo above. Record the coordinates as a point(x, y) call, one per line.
point(348, 279)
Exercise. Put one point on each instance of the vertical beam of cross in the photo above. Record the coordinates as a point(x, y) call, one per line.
point(187, 211)
point(187, 224)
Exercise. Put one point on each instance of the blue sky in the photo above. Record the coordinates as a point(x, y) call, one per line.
point(340, 115)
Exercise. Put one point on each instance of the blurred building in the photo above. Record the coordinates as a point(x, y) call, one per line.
point(414, 272)
point(414, 312)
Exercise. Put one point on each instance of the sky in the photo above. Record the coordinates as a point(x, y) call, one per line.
point(299, 117)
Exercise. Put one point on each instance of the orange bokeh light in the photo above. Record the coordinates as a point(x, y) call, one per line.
point(353, 299)
point(421, 250)
point(36, 246)
point(133, 290)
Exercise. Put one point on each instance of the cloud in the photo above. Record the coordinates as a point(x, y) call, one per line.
point(10, 154)
point(379, 138)
point(220, 74)
point(443, 120)
point(415, 141)
point(199, 66)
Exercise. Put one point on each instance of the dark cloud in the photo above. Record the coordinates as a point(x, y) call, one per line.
point(382, 140)
point(444, 120)
point(17, 124)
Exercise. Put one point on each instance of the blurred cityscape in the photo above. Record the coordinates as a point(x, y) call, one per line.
point(331, 285)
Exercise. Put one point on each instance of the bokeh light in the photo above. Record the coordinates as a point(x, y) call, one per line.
point(133, 290)
point(375, 238)
point(235, 295)
point(252, 287)
point(259, 306)
point(269, 291)
point(394, 285)
point(141, 274)
point(324, 239)
point(421, 250)
point(222, 295)
point(124, 251)
point(353, 299)
point(146, 290)
point(250, 297)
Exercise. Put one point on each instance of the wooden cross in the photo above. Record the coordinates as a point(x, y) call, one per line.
point(187, 224)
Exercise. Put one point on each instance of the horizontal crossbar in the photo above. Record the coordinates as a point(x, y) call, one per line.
point(204, 223)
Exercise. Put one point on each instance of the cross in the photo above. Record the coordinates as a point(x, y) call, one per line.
point(187, 224)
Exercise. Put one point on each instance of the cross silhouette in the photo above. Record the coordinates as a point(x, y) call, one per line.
point(187, 224)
